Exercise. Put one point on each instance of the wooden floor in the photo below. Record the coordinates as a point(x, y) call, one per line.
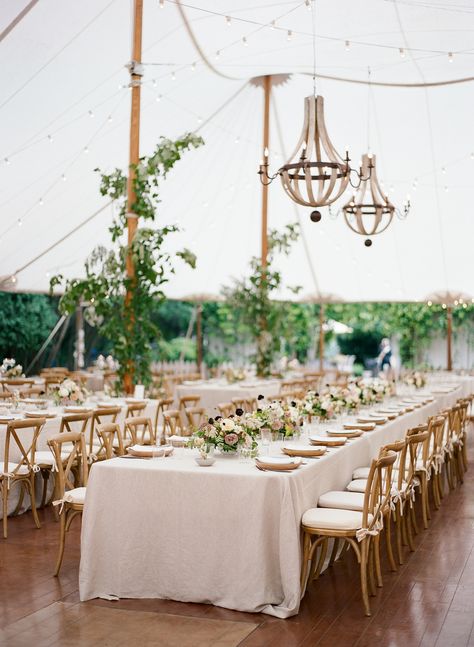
point(429, 601)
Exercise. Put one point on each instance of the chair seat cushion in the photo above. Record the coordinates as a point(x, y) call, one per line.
point(20, 472)
point(330, 518)
point(77, 495)
point(359, 485)
point(342, 500)
point(47, 458)
point(361, 473)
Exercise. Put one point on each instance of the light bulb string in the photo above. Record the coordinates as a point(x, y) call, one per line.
point(313, 16)
point(369, 89)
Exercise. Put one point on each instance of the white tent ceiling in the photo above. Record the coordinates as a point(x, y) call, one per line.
point(64, 109)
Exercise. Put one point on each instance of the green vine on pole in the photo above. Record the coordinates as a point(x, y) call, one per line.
point(250, 298)
point(129, 327)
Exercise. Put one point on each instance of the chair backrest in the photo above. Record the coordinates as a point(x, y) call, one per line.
point(137, 429)
point(400, 448)
point(163, 405)
point(196, 416)
point(378, 489)
point(20, 446)
point(68, 422)
point(99, 417)
point(6, 395)
point(225, 409)
point(15, 383)
point(172, 424)
point(77, 458)
point(433, 448)
point(417, 438)
point(32, 391)
point(135, 409)
point(107, 433)
point(189, 401)
point(463, 405)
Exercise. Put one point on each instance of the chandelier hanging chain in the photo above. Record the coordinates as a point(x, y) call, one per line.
point(313, 20)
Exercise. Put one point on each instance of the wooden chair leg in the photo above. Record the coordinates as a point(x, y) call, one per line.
point(335, 548)
point(378, 568)
point(370, 566)
point(33, 500)
point(305, 559)
point(317, 566)
point(424, 502)
point(363, 576)
point(464, 453)
point(45, 475)
point(413, 520)
point(5, 510)
point(21, 497)
point(398, 537)
point(62, 542)
point(459, 466)
point(406, 520)
point(388, 543)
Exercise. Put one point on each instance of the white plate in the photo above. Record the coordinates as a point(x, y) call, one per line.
point(278, 460)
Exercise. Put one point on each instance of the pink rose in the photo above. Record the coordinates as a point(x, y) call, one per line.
point(231, 439)
point(277, 425)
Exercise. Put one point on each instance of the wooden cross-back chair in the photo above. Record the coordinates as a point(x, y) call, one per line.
point(195, 417)
point(464, 420)
point(100, 416)
point(111, 440)
point(172, 424)
point(32, 392)
point(357, 528)
point(436, 458)
point(134, 409)
point(225, 409)
point(140, 431)
point(163, 405)
point(19, 466)
point(188, 401)
point(16, 383)
point(416, 438)
point(6, 395)
point(76, 422)
point(71, 482)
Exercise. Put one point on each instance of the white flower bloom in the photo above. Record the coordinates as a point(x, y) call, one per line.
point(227, 424)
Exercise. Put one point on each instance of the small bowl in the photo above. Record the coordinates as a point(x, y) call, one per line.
point(205, 462)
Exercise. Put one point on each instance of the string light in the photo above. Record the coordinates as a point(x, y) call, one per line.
point(173, 76)
point(63, 177)
point(41, 202)
point(273, 24)
point(199, 120)
point(472, 156)
point(450, 57)
point(50, 139)
point(7, 161)
point(217, 54)
point(158, 98)
point(244, 41)
point(13, 278)
point(109, 119)
point(289, 35)
point(153, 82)
point(308, 4)
point(402, 52)
point(19, 222)
point(237, 140)
point(86, 149)
point(228, 21)
point(348, 45)
point(193, 67)
point(162, 4)
point(91, 114)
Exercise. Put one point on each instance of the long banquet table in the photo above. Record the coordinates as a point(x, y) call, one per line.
point(228, 535)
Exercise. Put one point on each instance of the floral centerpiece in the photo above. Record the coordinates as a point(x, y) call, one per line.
point(416, 379)
point(277, 417)
point(227, 434)
point(234, 375)
point(68, 392)
point(374, 390)
point(352, 396)
point(323, 406)
point(10, 368)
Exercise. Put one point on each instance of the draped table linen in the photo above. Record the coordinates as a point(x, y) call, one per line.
point(227, 535)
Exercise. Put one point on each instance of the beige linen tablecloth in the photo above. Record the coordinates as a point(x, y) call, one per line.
point(228, 535)
point(213, 392)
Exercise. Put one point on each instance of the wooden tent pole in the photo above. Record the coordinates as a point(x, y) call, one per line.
point(267, 88)
point(449, 312)
point(321, 337)
point(199, 336)
point(134, 157)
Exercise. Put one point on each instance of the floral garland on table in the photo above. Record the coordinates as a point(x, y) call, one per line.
point(68, 392)
point(416, 379)
point(234, 375)
point(352, 397)
point(10, 368)
point(374, 391)
point(227, 434)
point(277, 417)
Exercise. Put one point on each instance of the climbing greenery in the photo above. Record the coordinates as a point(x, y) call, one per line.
point(249, 299)
point(128, 323)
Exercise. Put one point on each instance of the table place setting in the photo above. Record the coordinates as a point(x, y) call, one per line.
point(278, 463)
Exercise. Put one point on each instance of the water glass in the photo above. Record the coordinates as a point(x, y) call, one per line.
point(265, 440)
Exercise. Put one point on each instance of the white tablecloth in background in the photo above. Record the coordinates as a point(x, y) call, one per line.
point(228, 535)
point(51, 428)
point(213, 392)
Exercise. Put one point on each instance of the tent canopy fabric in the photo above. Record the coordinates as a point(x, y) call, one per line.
point(65, 107)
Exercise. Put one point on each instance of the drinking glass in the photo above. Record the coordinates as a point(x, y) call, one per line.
point(265, 439)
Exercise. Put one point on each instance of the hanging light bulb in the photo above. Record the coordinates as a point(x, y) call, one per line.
point(153, 82)
point(244, 41)
point(217, 55)
point(348, 45)
point(450, 57)
point(402, 52)
point(158, 98)
point(173, 76)
point(289, 35)
point(91, 114)
point(273, 24)
point(110, 119)
point(7, 161)
point(19, 222)
point(228, 21)
point(308, 4)
point(162, 4)
point(50, 139)
point(86, 149)
point(193, 67)
point(63, 177)
point(443, 170)
point(41, 203)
